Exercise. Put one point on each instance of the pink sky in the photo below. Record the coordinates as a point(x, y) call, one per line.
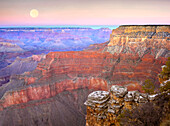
point(84, 12)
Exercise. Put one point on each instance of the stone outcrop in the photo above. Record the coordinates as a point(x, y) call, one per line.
point(104, 107)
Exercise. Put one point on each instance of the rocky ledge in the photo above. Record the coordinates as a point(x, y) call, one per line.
point(103, 107)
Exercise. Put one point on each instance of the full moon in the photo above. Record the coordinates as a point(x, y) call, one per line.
point(34, 13)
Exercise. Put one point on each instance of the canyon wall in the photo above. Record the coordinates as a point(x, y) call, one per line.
point(142, 49)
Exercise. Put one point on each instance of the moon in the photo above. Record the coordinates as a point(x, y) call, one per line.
point(34, 13)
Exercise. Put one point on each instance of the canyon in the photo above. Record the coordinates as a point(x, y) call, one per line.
point(54, 92)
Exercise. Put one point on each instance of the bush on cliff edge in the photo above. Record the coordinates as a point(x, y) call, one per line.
point(154, 113)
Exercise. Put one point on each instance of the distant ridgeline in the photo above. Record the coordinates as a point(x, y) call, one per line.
point(54, 38)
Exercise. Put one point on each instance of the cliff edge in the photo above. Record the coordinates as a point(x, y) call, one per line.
point(104, 107)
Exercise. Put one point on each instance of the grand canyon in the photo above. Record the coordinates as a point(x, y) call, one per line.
point(46, 75)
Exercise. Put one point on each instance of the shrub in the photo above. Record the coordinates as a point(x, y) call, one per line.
point(148, 87)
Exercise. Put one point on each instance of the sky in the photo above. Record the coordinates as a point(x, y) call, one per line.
point(84, 12)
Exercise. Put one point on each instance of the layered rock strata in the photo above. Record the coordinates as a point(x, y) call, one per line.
point(140, 40)
point(104, 107)
point(141, 50)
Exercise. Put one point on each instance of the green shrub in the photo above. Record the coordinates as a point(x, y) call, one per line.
point(148, 87)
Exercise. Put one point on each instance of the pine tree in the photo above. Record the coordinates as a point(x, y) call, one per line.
point(165, 77)
point(165, 73)
point(148, 87)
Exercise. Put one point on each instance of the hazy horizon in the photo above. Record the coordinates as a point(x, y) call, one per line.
point(65, 26)
point(84, 12)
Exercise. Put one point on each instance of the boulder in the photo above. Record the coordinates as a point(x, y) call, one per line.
point(118, 91)
point(130, 95)
point(97, 97)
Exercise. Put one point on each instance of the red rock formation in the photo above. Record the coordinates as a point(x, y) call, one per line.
point(68, 65)
point(39, 92)
point(82, 70)
point(97, 47)
point(59, 72)
point(142, 51)
point(147, 36)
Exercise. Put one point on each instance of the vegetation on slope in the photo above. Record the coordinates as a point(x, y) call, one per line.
point(154, 113)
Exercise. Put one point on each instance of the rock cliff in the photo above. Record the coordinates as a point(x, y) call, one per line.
point(104, 107)
point(141, 50)
point(140, 40)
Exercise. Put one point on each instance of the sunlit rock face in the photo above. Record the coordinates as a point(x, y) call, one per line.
point(104, 107)
point(139, 40)
point(141, 50)
point(61, 82)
